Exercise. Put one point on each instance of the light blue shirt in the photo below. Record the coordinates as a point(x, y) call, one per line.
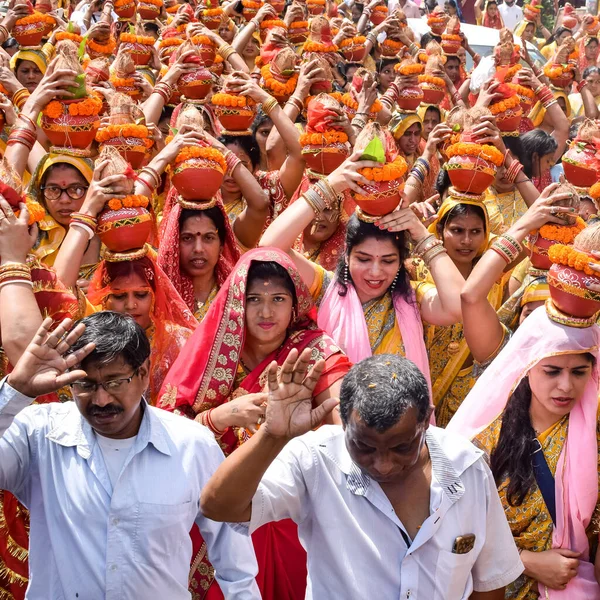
point(93, 542)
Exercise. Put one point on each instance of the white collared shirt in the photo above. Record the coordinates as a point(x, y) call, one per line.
point(354, 539)
point(91, 541)
point(511, 15)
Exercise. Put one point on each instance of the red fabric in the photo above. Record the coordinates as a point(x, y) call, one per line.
point(316, 113)
point(11, 195)
point(542, 182)
point(192, 386)
point(172, 321)
point(168, 251)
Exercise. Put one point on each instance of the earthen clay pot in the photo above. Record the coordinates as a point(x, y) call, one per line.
point(410, 98)
point(124, 229)
point(570, 293)
point(68, 130)
point(197, 179)
point(464, 176)
point(195, 85)
point(578, 163)
point(234, 118)
point(384, 197)
point(325, 159)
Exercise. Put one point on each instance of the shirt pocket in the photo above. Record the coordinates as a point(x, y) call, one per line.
point(453, 574)
point(161, 530)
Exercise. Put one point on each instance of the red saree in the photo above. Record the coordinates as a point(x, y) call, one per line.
point(56, 301)
point(207, 374)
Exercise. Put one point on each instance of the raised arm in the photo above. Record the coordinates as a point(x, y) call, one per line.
point(481, 325)
point(266, 11)
point(289, 225)
point(292, 169)
point(20, 316)
point(228, 494)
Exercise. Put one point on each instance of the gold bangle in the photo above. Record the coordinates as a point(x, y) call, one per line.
point(269, 105)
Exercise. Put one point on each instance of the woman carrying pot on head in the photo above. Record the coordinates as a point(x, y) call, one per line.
point(262, 313)
point(368, 305)
point(535, 414)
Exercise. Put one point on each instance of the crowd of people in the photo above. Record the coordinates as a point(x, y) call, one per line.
point(299, 299)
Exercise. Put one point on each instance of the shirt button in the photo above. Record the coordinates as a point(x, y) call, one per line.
point(113, 567)
point(115, 522)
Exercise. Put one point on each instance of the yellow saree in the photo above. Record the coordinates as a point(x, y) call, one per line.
point(530, 523)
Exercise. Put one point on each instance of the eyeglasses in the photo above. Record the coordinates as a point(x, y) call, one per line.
point(114, 386)
point(54, 192)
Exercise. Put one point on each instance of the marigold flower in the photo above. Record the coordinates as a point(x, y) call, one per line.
point(387, 172)
point(483, 151)
point(350, 102)
point(560, 254)
point(326, 138)
point(223, 99)
point(211, 154)
point(310, 46)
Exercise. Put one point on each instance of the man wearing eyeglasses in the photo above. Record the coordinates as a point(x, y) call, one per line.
point(112, 484)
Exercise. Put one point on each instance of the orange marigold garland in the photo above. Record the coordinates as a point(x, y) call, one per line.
point(310, 46)
point(212, 12)
point(350, 102)
point(137, 39)
point(388, 172)
point(223, 99)
point(153, 2)
point(357, 40)
point(504, 105)
point(394, 44)
point(128, 130)
point(408, 70)
point(36, 211)
point(202, 40)
point(128, 202)
point(554, 71)
point(172, 41)
point(595, 191)
point(565, 234)
point(85, 108)
point(36, 17)
point(569, 257)
point(278, 87)
point(522, 90)
point(106, 48)
point(61, 36)
point(326, 138)
point(121, 82)
point(270, 23)
point(437, 81)
point(201, 152)
point(483, 151)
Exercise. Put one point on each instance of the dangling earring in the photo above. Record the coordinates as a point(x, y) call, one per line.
point(346, 273)
point(393, 286)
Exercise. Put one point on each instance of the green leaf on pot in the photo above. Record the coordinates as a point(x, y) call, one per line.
point(78, 90)
point(70, 28)
point(81, 51)
point(374, 151)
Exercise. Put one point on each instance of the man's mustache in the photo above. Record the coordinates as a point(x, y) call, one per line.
point(102, 411)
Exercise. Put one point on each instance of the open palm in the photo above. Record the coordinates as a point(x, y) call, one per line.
point(43, 366)
point(289, 407)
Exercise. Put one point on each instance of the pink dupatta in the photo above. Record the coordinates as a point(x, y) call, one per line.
point(343, 319)
point(576, 479)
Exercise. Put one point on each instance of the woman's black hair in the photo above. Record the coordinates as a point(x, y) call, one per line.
point(514, 145)
point(556, 35)
point(247, 143)
point(382, 63)
point(268, 271)
point(591, 70)
point(214, 214)
point(429, 37)
point(460, 210)
point(442, 182)
point(10, 43)
point(260, 118)
point(511, 458)
point(536, 141)
point(357, 232)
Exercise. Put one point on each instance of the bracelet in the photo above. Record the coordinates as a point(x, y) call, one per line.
point(16, 280)
point(164, 90)
point(507, 247)
point(371, 37)
point(426, 240)
point(315, 201)
point(269, 105)
point(432, 252)
point(513, 171)
point(255, 22)
point(536, 71)
point(225, 51)
point(358, 122)
point(79, 225)
point(549, 104)
point(5, 33)
point(85, 219)
point(425, 163)
point(324, 189)
point(413, 49)
point(153, 173)
point(582, 84)
point(20, 97)
point(232, 162)
point(296, 103)
point(28, 121)
point(15, 272)
point(23, 136)
point(206, 420)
